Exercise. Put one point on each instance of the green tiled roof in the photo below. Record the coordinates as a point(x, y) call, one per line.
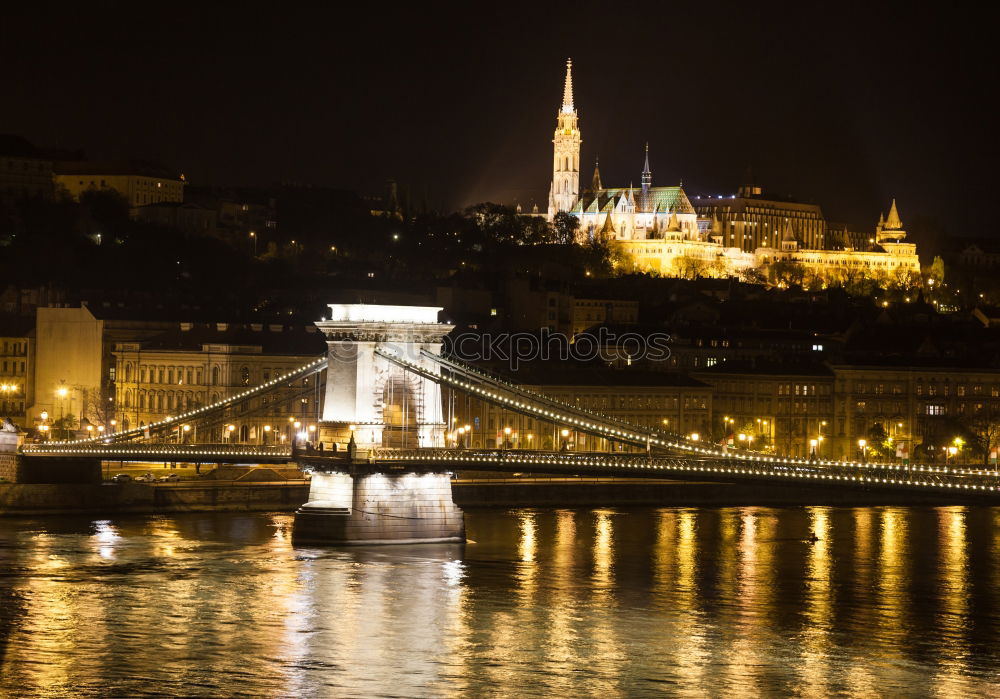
point(658, 199)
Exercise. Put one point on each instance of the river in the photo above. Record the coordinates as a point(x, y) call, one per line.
point(573, 602)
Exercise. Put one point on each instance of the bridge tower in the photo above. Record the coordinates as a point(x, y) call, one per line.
point(371, 402)
point(372, 394)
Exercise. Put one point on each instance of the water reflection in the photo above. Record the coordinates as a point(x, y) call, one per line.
point(603, 602)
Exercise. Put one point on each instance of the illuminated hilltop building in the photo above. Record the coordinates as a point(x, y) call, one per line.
point(662, 232)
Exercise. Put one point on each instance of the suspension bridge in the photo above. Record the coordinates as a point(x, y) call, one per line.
point(384, 374)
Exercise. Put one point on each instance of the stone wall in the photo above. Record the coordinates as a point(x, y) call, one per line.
point(62, 498)
point(9, 468)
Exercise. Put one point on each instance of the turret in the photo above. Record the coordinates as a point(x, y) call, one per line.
point(788, 241)
point(891, 229)
point(595, 184)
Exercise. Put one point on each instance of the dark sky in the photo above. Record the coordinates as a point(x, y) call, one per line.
point(843, 105)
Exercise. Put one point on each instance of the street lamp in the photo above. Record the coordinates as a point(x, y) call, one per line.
point(695, 436)
point(813, 443)
point(863, 446)
point(506, 438)
point(564, 433)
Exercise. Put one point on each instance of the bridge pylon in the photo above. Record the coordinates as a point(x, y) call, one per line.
point(371, 402)
point(381, 401)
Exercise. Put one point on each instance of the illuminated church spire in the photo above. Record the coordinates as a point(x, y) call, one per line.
point(565, 189)
point(647, 174)
point(596, 182)
point(567, 105)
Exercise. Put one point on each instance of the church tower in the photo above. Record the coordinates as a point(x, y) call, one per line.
point(565, 189)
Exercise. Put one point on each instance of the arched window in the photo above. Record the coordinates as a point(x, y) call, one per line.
point(128, 372)
point(245, 376)
point(215, 376)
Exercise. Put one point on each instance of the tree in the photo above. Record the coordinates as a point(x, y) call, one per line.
point(751, 275)
point(565, 227)
point(905, 281)
point(981, 430)
point(688, 267)
point(880, 444)
point(786, 272)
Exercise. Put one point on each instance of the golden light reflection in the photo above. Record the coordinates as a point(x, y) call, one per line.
point(953, 586)
point(818, 607)
point(893, 583)
point(605, 625)
point(752, 574)
point(527, 551)
point(689, 650)
point(860, 677)
point(604, 554)
point(562, 645)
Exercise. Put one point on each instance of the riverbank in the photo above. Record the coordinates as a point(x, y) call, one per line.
point(185, 496)
point(210, 495)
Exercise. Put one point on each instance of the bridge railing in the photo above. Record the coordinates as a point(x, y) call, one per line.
point(623, 431)
point(541, 398)
point(312, 367)
point(165, 452)
point(536, 405)
point(847, 474)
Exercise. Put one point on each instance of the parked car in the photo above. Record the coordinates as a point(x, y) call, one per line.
point(147, 477)
point(169, 478)
point(121, 478)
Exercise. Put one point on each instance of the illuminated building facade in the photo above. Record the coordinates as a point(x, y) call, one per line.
point(663, 233)
point(201, 364)
point(139, 183)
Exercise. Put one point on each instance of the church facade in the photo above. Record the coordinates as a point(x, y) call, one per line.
point(660, 231)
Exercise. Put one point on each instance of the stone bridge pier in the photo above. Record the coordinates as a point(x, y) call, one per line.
point(367, 504)
point(369, 403)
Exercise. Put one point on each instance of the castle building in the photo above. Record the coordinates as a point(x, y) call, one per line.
point(660, 231)
point(139, 183)
point(750, 219)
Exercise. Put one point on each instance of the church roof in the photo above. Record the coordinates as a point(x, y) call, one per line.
point(656, 199)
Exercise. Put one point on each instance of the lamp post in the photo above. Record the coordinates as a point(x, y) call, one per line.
point(506, 437)
point(62, 392)
point(863, 446)
point(564, 433)
point(813, 443)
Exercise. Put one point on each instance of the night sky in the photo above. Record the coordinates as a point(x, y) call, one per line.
point(843, 105)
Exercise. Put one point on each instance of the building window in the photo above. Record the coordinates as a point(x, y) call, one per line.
point(935, 409)
point(245, 376)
